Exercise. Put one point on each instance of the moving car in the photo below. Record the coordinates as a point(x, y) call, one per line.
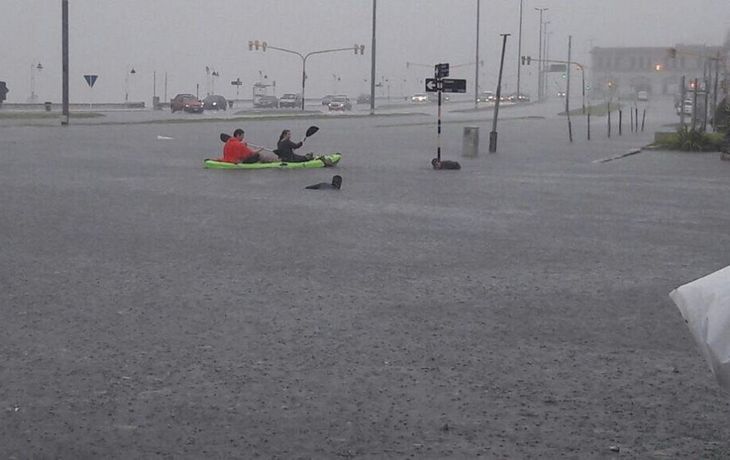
point(215, 102)
point(522, 97)
point(187, 103)
point(340, 103)
point(420, 97)
point(267, 102)
point(290, 100)
point(486, 96)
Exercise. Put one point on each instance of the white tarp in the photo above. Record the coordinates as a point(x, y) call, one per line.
point(705, 306)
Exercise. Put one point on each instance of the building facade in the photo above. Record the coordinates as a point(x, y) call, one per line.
point(622, 72)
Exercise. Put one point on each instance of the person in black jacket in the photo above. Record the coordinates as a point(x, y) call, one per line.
point(285, 149)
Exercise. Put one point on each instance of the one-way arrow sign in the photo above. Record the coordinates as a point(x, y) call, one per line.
point(432, 85)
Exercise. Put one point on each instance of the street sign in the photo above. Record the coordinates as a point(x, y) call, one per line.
point(90, 80)
point(432, 85)
point(441, 70)
point(451, 85)
point(237, 82)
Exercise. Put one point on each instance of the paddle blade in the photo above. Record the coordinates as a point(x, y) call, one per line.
point(311, 130)
point(225, 137)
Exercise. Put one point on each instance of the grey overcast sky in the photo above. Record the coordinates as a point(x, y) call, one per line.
point(179, 38)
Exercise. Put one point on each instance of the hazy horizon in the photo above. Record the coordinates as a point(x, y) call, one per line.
point(180, 38)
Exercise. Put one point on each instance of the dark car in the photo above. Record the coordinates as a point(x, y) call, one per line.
point(267, 102)
point(215, 102)
point(187, 103)
point(327, 99)
point(290, 100)
point(340, 103)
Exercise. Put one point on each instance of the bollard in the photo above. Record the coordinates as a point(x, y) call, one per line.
point(471, 141)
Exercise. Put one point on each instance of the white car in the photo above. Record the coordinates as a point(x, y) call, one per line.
point(421, 97)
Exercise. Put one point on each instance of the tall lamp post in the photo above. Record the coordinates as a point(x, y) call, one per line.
point(540, 64)
point(359, 49)
point(519, 53)
point(126, 84)
point(476, 70)
point(34, 68)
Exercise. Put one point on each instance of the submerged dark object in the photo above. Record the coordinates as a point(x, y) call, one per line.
point(445, 164)
point(336, 184)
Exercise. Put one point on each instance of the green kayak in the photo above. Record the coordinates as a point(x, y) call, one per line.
point(333, 158)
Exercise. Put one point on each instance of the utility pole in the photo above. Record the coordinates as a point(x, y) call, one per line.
point(493, 134)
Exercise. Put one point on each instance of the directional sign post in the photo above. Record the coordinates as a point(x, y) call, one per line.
point(237, 83)
point(439, 84)
point(90, 80)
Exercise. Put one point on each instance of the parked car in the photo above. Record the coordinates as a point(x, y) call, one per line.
point(363, 99)
point(290, 100)
point(187, 103)
point(420, 97)
point(486, 96)
point(340, 103)
point(327, 99)
point(267, 102)
point(215, 102)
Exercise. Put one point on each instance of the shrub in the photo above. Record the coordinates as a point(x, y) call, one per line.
point(692, 140)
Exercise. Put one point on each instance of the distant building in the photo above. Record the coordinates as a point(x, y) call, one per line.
point(622, 72)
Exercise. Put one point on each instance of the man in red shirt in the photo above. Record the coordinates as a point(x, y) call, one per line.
point(236, 150)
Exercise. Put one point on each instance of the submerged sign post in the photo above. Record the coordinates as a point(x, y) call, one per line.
point(440, 84)
point(90, 80)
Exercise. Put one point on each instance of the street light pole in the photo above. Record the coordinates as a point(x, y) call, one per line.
point(476, 71)
point(372, 64)
point(519, 54)
point(33, 69)
point(64, 61)
point(539, 59)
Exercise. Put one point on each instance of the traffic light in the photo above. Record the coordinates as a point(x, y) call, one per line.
point(672, 52)
point(526, 60)
point(523, 60)
point(361, 50)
